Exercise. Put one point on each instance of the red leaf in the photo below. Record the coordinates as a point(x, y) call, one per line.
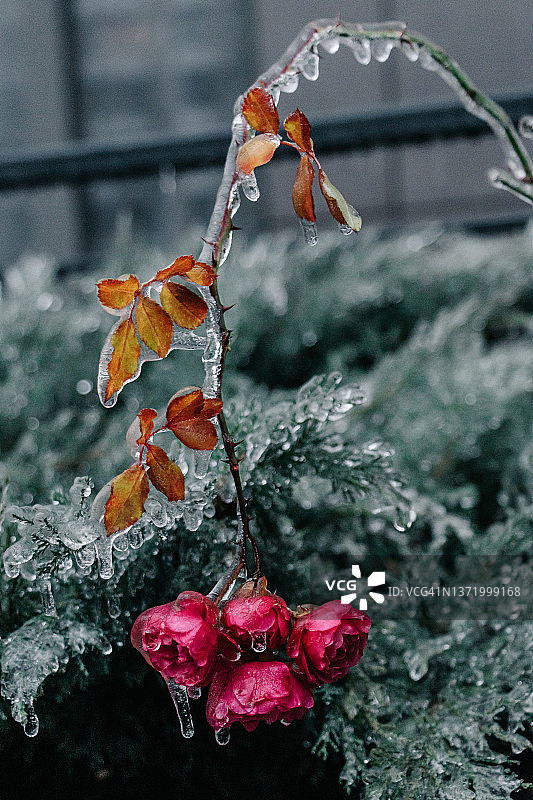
point(260, 111)
point(165, 475)
point(299, 130)
point(302, 194)
point(256, 152)
point(185, 307)
point(117, 293)
point(154, 326)
point(342, 211)
point(126, 352)
point(188, 418)
point(178, 267)
point(125, 506)
point(146, 424)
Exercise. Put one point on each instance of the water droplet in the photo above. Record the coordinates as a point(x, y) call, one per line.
point(250, 187)
point(361, 50)
point(310, 65)
point(222, 736)
point(181, 701)
point(381, 50)
point(345, 230)
point(113, 607)
point(310, 234)
point(194, 692)
point(259, 642)
point(288, 83)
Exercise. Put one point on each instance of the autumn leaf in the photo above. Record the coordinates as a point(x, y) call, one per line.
point(260, 111)
point(125, 506)
point(188, 418)
point(180, 266)
point(117, 293)
point(165, 475)
point(302, 195)
point(146, 418)
point(154, 326)
point(201, 274)
point(256, 152)
point(123, 363)
point(343, 212)
point(299, 130)
point(185, 307)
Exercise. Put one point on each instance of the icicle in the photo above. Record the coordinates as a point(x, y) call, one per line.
point(31, 726)
point(104, 552)
point(288, 82)
point(250, 187)
point(194, 692)
point(259, 642)
point(222, 736)
point(361, 50)
point(310, 65)
point(181, 701)
point(526, 126)
point(331, 45)
point(113, 606)
point(410, 50)
point(310, 234)
point(47, 597)
point(381, 50)
point(201, 462)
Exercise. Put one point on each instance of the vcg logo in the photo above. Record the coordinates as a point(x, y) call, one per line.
point(349, 585)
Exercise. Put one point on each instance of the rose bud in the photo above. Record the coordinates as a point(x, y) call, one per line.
point(255, 691)
point(327, 641)
point(179, 639)
point(260, 622)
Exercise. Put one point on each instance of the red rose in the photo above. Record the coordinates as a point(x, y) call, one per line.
point(255, 691)
point(258, 622)
point(327, 641)
point(179, 639)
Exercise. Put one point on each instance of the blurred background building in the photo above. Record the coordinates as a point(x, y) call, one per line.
point(128, 70)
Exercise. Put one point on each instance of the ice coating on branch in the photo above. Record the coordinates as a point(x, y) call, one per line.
point(525, 126)
point(309, 65)
point(381, 49)
point(410, 50)
point(288, 82)
point(361, 49)
point(36, 650)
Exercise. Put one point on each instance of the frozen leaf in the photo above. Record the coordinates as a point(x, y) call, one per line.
point(299, 130)
point(185, 307)
point(188, 418)
point(256, 152)
point(180, 266)
point(302, 194)
point(117, 293)
point(165, 475)
point(146, 418)
point(154, 326)
point(123, 364)
point(260, 111)
point(343, 212)
point(125, 506)
point(202, 274)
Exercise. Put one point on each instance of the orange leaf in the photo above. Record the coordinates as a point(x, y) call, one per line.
point(165, 475)
point(146, 424)
point(125, 506)
point(185, 307)
point(260, 111)
point(299, 130)
point(201, 273)
point(126, 352)
point(198, 435)
point(154, 326)
point(117, 293)
point(256, 152)
point(343, 212)
point(180, 266)
point(188, 418)
point(302, 195)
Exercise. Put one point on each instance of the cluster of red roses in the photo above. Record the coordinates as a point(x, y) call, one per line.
point(235, 648)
